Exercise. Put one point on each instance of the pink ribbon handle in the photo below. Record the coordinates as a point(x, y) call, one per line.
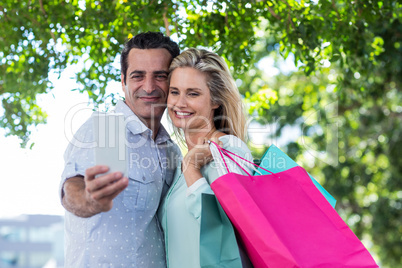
point(223, 151)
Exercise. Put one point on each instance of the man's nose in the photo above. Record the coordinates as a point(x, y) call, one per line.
point(149, 85)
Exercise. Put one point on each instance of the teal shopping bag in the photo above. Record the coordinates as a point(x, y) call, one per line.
point(218, 244)
point(276, 161)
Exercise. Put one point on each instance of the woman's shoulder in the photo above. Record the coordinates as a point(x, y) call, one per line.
point(234, 144)
point(232, 141)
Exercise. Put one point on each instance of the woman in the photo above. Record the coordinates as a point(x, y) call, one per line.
point(203, 104)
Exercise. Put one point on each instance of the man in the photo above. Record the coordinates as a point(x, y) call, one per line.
point(110, 220)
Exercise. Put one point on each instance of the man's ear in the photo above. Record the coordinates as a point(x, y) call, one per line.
point(123, 85)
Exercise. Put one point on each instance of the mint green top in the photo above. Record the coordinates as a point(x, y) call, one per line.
point(180, 211)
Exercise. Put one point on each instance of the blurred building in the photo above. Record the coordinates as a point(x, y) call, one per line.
point(32, 241)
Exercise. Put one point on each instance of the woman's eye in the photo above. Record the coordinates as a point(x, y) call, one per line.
point(193, 94)
point(174, 92)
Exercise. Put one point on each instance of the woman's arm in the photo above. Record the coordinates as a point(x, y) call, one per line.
point(194, 160)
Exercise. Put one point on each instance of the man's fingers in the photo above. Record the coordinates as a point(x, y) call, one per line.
point(102, 190)
point(91, 172)
point(118, 189)
point(111, 190)
point(102, 181)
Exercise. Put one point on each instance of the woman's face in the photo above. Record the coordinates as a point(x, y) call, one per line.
point(189, 100)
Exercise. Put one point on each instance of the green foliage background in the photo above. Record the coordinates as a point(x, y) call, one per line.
point(344, 97)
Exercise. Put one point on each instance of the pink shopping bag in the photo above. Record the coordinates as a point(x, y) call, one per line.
point(284, 221)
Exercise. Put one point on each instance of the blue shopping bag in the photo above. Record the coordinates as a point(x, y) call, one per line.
point(277, 161)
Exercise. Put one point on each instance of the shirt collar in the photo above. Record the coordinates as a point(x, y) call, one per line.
point(136, 126)
point(163, 135)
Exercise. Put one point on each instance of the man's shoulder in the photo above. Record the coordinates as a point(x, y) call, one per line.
point(83, 136)
point(173, 147)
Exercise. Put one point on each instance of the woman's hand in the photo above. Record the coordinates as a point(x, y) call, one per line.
point(195, 159)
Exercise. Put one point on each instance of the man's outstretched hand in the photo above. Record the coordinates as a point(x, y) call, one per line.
point(94, 193)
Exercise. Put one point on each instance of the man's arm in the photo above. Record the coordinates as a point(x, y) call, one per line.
point(88, 196)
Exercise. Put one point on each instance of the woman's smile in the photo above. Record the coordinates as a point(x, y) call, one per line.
point(182, 114)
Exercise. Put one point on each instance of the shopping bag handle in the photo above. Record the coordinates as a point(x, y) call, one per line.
point(223, 151)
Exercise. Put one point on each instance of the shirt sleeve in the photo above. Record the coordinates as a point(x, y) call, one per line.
point(196, 185)
point(214, 170)
point(79, 154)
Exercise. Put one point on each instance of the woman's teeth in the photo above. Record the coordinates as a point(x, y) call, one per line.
point(183, 114)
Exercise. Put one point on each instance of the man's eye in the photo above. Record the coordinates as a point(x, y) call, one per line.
point(161, 77)
point(137, 77)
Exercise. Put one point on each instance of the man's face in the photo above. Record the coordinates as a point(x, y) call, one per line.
point(146, 85)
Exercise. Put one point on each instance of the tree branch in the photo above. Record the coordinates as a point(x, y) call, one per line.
point(165, 20)
point(145, 6)
point(336, 10)
point(4, 13)
point(53, 37)
point(175, 21)
point(285, 2)
point(42, 8)
point(45, 14)
point(343, 109)
point(291, 21)
point(276, 16)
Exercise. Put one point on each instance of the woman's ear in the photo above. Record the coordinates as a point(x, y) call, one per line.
point(215, 106)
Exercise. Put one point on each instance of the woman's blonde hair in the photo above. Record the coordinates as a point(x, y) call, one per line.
point(229, 117)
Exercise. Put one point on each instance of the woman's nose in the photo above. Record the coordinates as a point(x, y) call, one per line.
point(181, 101)
point(178, 100)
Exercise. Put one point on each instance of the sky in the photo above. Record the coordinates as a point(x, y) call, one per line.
point(30, 178)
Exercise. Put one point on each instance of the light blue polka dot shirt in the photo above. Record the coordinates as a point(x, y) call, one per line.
point(129, 235)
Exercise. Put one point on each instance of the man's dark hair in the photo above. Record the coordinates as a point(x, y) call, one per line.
point(147, 40)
